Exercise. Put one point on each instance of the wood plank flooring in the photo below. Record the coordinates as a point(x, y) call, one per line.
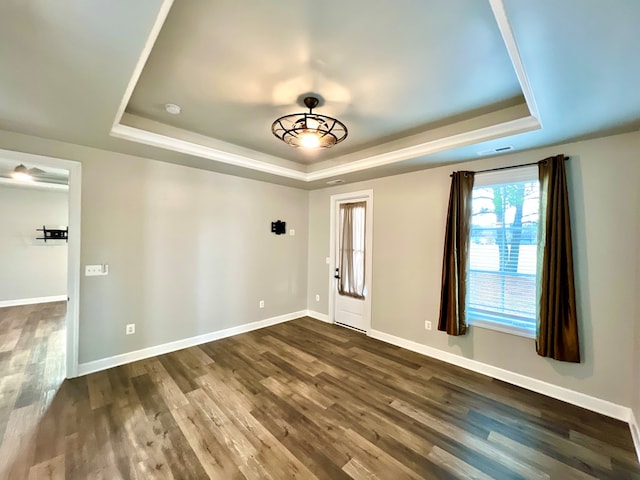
point(31, 372)
point(301, 399)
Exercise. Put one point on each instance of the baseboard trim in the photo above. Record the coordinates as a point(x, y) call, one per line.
point(32, 301)
point(117, 360)
point(635, 432)
point(583, 400)
point(323, 317)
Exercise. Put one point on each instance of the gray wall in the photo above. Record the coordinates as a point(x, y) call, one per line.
point(409, 217)
point(189, 251)
point(31, 268)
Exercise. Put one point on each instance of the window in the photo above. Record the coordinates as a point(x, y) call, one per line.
point(501, 290)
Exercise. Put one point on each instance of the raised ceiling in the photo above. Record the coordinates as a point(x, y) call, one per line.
point(419, 83)
point(244, 63)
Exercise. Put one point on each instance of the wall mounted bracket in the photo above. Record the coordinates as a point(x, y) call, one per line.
point(278, 227)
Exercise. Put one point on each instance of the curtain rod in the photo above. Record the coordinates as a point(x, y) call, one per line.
point(497, 169)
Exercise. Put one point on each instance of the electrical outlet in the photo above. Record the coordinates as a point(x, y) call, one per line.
point(261, 303)
point(427, 325)
point(317, 298)
point(292, 232)
point(131, 329)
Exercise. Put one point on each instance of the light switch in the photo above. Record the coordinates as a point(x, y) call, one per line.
point(292, 232)
point(96, 270)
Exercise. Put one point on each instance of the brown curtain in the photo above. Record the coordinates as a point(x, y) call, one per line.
point(352, 246)
point(557, 332)
point(453, 312)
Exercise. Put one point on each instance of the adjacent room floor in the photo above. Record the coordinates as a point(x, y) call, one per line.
point(32, 357)
point(301, 399)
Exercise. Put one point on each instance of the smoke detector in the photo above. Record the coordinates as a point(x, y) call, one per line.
point(173, 109)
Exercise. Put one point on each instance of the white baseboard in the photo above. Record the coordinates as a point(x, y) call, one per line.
point(554, 391)
point(323, 317)
point(117, 360)
point(32, 301)
point(635, 432)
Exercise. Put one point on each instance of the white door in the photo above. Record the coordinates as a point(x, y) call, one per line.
point(352, 217)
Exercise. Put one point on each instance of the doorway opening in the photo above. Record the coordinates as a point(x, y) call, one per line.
point(50, 185)
point(351, 253)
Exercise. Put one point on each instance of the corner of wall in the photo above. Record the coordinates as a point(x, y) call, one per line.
point(583, 400)
point(635, 433)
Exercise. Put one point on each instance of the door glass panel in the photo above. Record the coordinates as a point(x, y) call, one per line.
point(352, 249)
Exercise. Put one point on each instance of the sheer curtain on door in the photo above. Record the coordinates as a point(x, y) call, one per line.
point(352, 249)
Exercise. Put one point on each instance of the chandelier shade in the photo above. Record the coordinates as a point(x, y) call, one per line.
point(309, 130)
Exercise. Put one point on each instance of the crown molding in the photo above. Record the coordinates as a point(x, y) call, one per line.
point(500, 130)
point(247, 160)
point(190, 148)
point(165, 7)
point(500, 14)
point(492, 132)
point(34, 184)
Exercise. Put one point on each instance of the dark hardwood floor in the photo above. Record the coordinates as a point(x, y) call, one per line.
point(297, 400)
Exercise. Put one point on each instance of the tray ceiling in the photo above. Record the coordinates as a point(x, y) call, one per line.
point(453, 77)
point(245, 63)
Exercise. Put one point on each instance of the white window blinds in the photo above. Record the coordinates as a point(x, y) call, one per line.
point(501, 290)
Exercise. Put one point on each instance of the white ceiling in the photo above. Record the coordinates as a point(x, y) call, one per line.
point(419, 83)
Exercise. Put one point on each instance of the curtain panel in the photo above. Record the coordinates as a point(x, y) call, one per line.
point(455, 263)
point(557, 329)
point(352, 249)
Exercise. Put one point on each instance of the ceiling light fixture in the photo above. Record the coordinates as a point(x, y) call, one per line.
point(21, 174)
point(309, 130)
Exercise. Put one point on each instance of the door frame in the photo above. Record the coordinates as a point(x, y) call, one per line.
point(361, 195)
point(72, 319)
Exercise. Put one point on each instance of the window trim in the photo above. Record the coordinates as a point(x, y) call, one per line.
point(526, 173)
point(504, 328)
